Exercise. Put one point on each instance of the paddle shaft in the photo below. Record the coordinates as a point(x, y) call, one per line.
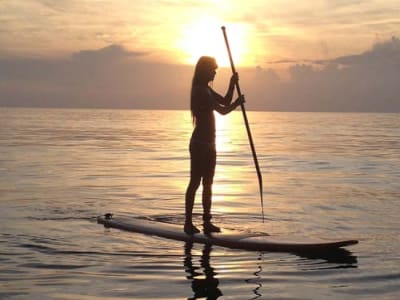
point(253, 149)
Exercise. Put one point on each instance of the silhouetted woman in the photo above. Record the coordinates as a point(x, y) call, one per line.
point(203, 101)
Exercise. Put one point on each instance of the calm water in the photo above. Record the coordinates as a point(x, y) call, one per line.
point(330, 175)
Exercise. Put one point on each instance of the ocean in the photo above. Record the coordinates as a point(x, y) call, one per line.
point(325, 175)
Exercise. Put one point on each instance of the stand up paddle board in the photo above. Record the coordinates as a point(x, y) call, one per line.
point(226, 238)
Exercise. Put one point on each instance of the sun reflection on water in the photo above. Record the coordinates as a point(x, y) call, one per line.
point(228, 177)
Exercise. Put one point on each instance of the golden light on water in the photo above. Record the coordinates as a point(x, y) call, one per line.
point(227, 173)
point(222, 124)
point(204, 37)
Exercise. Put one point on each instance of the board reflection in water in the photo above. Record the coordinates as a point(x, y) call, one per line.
point(204, 277)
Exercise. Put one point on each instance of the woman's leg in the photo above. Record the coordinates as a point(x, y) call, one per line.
point(207, 216)
point(189, 198)
point(208, 180)
point(206, 201)
point(194, 183)
point(189, 228)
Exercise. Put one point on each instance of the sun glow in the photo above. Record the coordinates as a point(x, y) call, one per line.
point(204, 37)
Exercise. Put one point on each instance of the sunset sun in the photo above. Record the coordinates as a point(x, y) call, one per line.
point(204, 37)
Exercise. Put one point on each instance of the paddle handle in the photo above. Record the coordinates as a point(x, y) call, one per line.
point(253, 149)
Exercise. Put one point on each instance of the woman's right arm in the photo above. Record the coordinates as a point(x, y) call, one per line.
point(223, 110)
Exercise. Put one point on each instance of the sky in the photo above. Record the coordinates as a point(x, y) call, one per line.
point(313, 55)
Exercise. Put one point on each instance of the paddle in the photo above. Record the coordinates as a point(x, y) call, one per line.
point(253, 149)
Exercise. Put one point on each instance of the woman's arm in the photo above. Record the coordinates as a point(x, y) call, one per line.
point(226, 109)
point(229, 94)
point(204, 101)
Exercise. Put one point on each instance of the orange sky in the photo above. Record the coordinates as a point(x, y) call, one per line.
point(178, 31)
point(292, 55)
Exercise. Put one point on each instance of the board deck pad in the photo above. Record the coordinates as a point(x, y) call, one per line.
point(226, 238)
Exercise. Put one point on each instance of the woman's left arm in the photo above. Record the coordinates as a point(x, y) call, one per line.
point(229, 94)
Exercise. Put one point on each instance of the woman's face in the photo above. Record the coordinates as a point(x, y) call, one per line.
point(211, 74)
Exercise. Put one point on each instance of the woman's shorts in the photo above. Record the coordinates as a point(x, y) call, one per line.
point(203, 157)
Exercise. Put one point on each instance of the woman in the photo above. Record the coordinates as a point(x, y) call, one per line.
point(204, 100)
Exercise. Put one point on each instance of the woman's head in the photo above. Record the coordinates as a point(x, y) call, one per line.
point(204, 71)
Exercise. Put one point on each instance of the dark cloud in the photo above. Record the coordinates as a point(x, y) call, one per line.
point(114, 77)
point(364, 82)
point(110, 53)
point(382, 53)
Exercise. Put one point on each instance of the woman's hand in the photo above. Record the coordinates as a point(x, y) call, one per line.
point(240, 100)
point(234, 79)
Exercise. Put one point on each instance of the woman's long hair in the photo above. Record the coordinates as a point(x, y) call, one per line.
point(204, 65)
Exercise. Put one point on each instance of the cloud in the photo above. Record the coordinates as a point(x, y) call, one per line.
point(382, 53)
point(114, 77)
point(362, 82)
point(110, 53)
point(111, 77)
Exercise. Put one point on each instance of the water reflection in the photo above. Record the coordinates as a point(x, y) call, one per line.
point(203, 277)
point(334, 259)
point(203, 286)
point(257, 278)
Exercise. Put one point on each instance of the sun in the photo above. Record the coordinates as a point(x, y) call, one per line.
point(204, 37)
